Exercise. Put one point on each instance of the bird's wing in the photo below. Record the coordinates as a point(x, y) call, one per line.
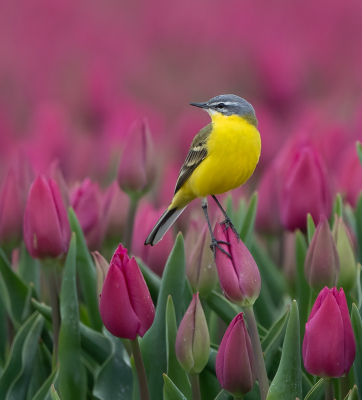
point(197, 153)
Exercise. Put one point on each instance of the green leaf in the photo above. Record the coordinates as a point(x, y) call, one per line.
point(174, 369)
point(19, 386)
point(353, 394)
point(274, 331)
point(14, 362)
point(287, 383)
point(54, 393)
point(44, 310)
point(317, 391)
point(41, 370)
point(153, 280)
point(359, 226)
point(15, 291)
point(310, 228)
point(224, 395)
point(357, 365)
point(29, 268)
point(170, 391)
point(249, 221)
point(72, 381)
point(114, 379)
point(44, 390)
point(209, 385)
point(87, 273)
point(303, 289)
point(3, 332)
point(239, 215)
point(359, 150)
point(210, 366)
point(153, 344)
point(338, 206)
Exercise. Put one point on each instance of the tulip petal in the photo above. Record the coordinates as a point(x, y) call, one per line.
point(115, 306)
point(139, 296)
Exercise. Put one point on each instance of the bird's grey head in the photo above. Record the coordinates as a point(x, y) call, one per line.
point(230, 104)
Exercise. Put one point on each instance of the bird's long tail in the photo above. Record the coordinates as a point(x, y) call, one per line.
point(163, 225)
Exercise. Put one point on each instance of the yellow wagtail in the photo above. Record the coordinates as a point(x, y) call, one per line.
point(222, 156)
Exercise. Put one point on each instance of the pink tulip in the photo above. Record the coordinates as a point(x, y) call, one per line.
point(235, 369)
point(46, 225)
point(155, 257)
point(126, 307)
point(11, 212)
point(137, 167)
point(329, 346)
point(239, 276)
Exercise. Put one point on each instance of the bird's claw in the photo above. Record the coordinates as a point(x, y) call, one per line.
point(216, 243)
point(228, 224)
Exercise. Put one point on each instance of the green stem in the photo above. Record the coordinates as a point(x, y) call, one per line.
point(344, 385)
point(195, 386)
point(130, 221)
point(257, 351)
point(140, 368)
point(328, 389)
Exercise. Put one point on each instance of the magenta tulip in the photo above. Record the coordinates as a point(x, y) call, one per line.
point(11, 212)
point(234, 366)
point(239, 275)
point(321, 266)
point(329, 346)
point(126, 307)
point(46, 225)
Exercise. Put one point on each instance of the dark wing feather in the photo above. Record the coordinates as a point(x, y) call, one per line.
point(197, 153)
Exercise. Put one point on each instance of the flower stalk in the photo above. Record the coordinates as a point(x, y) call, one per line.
point(195, 386)
point(140, 369)
point(328, 389)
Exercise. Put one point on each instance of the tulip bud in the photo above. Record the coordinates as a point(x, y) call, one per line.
point(102, 268)
point(239, 275)
point(235, 369)
point(348, 268)
point(11, 212)
point(321, 266)
point(305, 190)
point(329, 346)
point(137, 167)
point(126, 307)
point(201, 271)
point(193, 340)
point(46, 225)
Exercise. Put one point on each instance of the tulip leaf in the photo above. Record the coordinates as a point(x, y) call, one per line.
point(303, 289)
point(42, 369)
point(209, 385)
point(338, 205)
point(317, 391)
point(29, 268)
point(54, 393)
point(153, 344)
point(352, 394)
point(210, 366)
point(44, 390)
point(153, 281)
point(249, 221)
point(72, 380)
point(224, 395)
point(359, 225)
point(87, 273)
point(357, 365)
point(14, 362)
point(14, 290)
point(239, 215)
point(44, 309)
point(287, 383)
point(3, 332)
point(359, 151)
point(274, 331)
point(170, 390)
point(174, 369)
point(114, 379)
point(310, 228)
point(19, 386)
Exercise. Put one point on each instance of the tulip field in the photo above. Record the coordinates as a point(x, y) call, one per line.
point(95, 125)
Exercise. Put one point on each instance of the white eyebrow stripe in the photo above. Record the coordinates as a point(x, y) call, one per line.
point(227, 103)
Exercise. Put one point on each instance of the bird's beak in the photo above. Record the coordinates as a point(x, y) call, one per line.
point(201, 105)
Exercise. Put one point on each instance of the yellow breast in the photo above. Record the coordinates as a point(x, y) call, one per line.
point(233, 152)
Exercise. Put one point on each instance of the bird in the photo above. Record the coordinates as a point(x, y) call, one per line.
point(222, 157)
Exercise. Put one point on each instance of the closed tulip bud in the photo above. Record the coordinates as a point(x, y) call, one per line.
point(235, 369)
point(305, 190)
point(193, 340)
point(321, 266)
point(11, 212)
point(201, 271)
point(137, 167)
point(102, 268)
point(126, 306)
point(329, 346)
point(348, 267)
point(239, 275)
point(46, 225)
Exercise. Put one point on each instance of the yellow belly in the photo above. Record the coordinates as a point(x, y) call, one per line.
point(233, 153)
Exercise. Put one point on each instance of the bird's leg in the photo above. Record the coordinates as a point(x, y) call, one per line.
point(214, 242)
point(227, 221)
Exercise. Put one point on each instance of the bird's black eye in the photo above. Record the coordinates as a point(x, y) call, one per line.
point(221, 105)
